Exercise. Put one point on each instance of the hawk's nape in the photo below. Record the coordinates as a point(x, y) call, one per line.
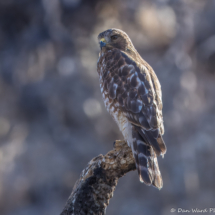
point(132, 95)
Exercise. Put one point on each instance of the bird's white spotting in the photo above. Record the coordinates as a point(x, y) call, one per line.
point(131, 76)
point(140, 142)
point(140, 105)
point(142, 155)
point(139, 82)
point(112, 109)
point(115, 86)
point(121, 68)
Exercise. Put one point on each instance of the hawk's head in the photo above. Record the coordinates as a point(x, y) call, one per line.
point(115, 38)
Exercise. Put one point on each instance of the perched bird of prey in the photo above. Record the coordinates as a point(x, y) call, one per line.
point(132, 95)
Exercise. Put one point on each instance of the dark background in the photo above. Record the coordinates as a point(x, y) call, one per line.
point(52, 117)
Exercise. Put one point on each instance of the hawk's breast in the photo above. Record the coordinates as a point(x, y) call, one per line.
point(109, 85)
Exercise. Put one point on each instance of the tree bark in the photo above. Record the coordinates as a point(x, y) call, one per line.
point(94, 189)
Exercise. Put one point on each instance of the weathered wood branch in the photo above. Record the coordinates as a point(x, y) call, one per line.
point(94, 189)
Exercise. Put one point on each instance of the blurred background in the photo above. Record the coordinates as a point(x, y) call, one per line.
point(52, 117)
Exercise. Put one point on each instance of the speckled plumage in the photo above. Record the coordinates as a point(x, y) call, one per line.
point(132, 95)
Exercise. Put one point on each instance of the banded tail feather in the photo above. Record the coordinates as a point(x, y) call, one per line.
point(146, 160)
point(153, 138)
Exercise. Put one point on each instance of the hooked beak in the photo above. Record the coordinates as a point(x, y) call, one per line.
point(102, 43)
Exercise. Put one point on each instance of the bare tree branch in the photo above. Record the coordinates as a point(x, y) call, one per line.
point(95, 187)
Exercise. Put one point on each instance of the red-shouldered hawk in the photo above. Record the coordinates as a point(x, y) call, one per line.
point(132, 95)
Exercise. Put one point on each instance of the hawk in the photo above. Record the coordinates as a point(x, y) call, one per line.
point(132, 95)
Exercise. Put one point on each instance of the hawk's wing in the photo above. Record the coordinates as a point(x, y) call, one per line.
point(137, 90)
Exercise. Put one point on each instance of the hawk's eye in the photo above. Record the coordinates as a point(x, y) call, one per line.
point(114, 37)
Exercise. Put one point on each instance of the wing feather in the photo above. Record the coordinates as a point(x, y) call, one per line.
point(136, 88)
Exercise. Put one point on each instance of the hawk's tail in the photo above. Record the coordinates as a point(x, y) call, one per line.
point(146, 161)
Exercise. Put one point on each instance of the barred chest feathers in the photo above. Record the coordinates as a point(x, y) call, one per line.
point(112, 105)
